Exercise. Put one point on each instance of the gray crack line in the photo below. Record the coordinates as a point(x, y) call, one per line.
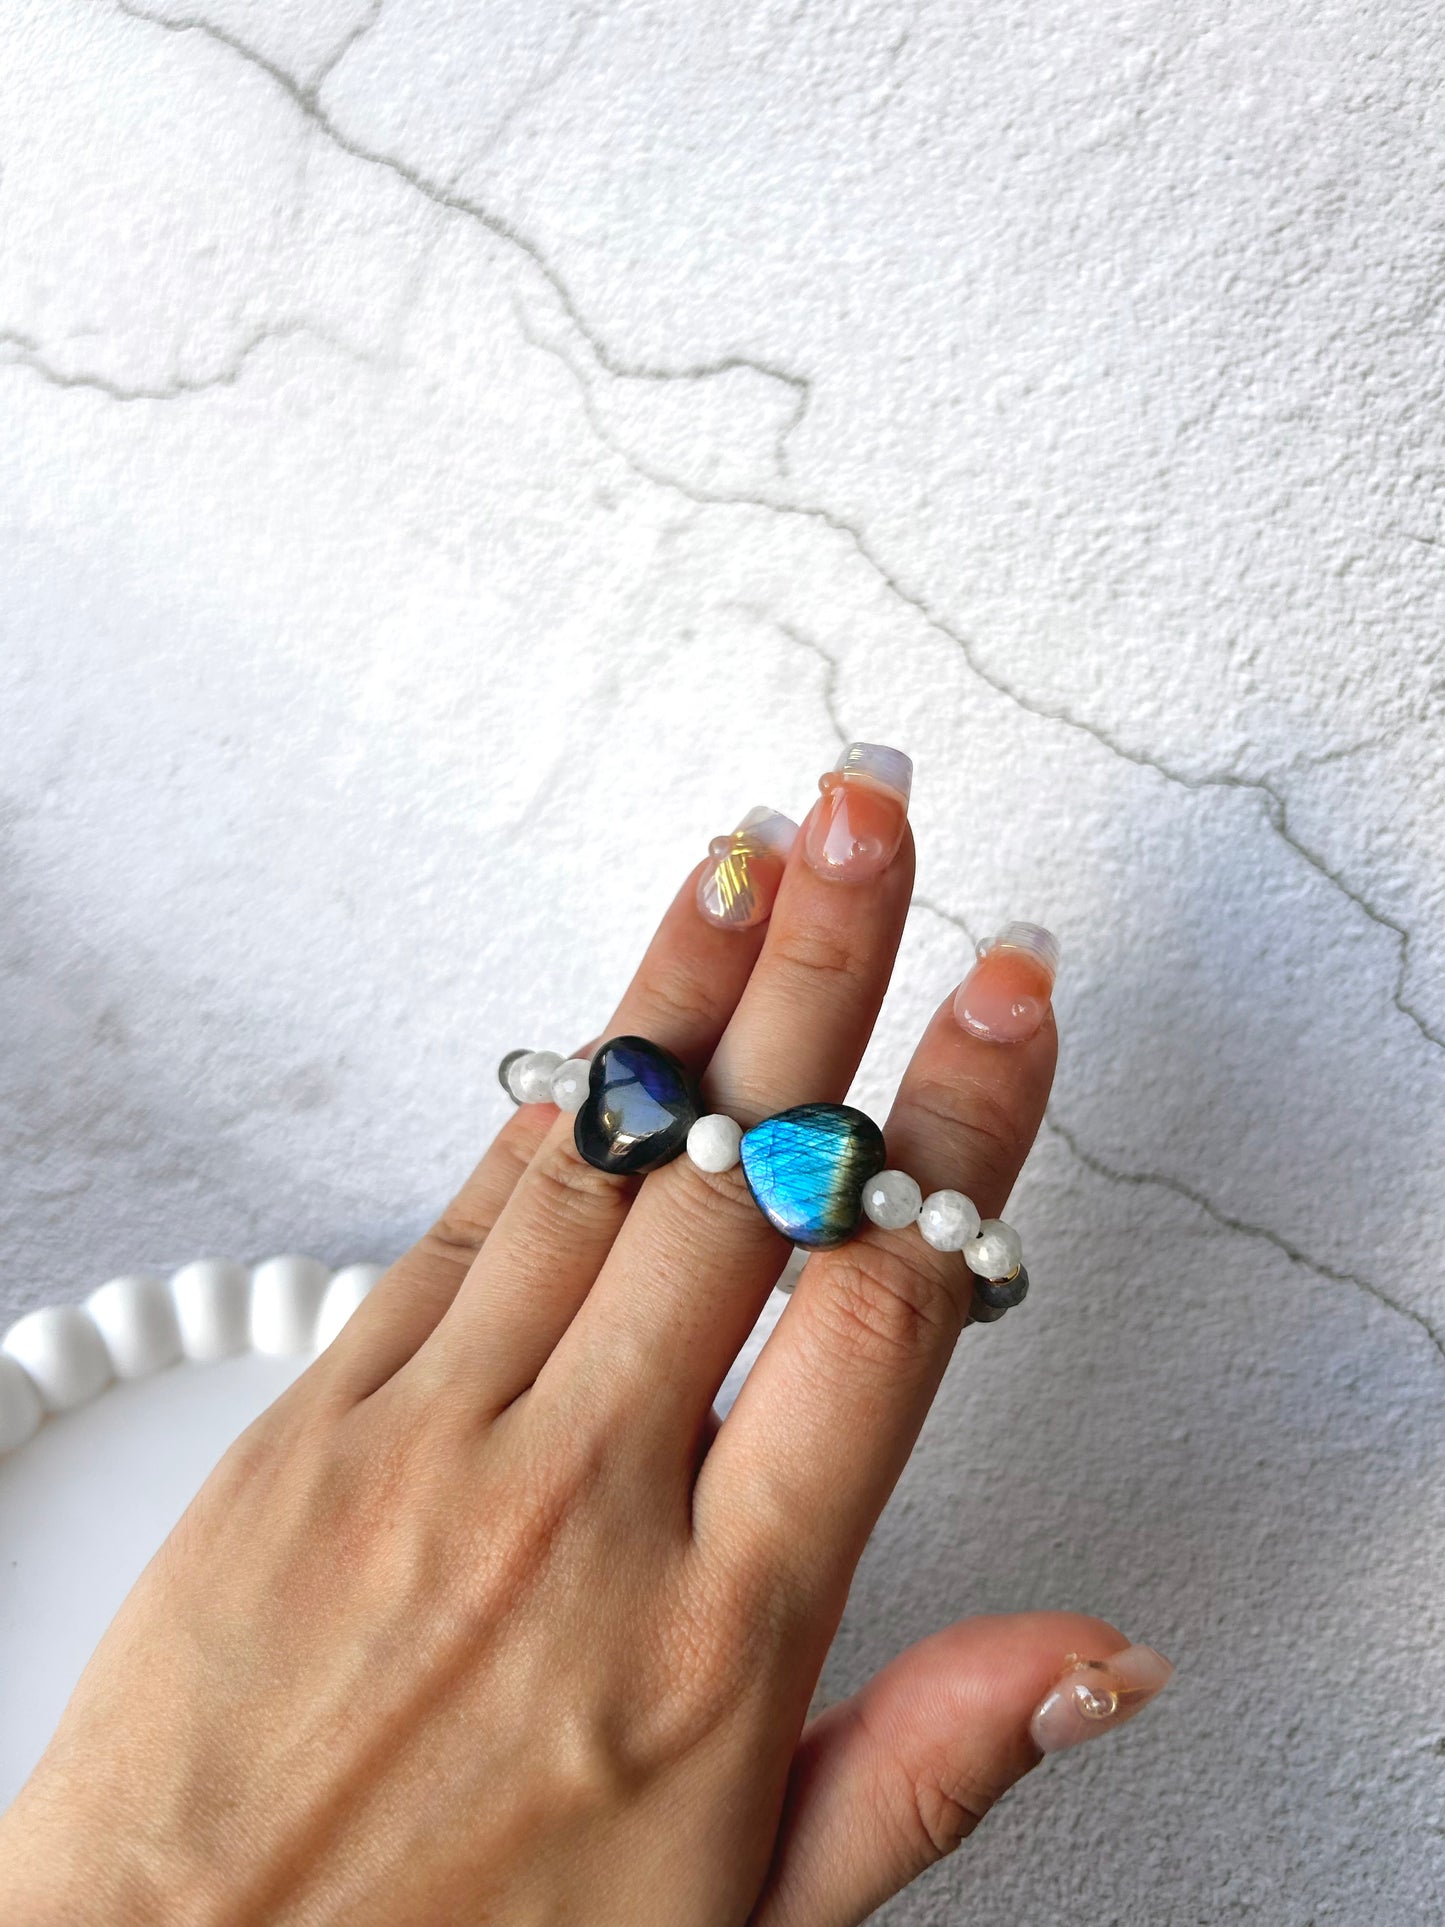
point(304, 97)
point(1276, 806)
point(29, 354)
point(1246, 1227)
point(543, 80)
point(334, 59)
point(1291, 1251)
point(832, 668)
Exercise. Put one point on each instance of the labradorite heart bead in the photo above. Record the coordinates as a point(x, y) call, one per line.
point(807, 1168)
point(641, 1103)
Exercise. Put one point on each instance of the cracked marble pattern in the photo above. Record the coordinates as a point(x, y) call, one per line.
point(398, 401)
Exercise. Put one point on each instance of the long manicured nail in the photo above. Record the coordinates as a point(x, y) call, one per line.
point(738, 886)
point(1096, 1695)
point(1005, 997)
point(854, 831)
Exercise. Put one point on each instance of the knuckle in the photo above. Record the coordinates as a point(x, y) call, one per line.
point(720, 1206)
point(581, 1195)
point(942, 1812)
point(457, 1236)
point(808, 954)
point(679, 1001)
point(978, 1124)
point(883, 1306)
point(465, 1224)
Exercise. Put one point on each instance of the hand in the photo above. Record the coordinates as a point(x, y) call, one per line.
point(488, 1618)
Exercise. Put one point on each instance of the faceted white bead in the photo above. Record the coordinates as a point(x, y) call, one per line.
point(285, 1299)
point(343, 1295)
point(996, 1251)
point(948, 1220)
point(531, 1076)
point(136, 1316)
point(19, 1404)
point(713, 1142)
point(213, 1308)
point(64, 1354)
point(569, 1084)
point(892, 1199)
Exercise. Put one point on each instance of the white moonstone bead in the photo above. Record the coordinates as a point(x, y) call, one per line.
point(531, 1076)
point(996, 1251)
point(213, 1309)
point(136, 1317)
point(64, 1354)
point(285, 1301)
point(948, 1220)
point(892, 1199)
point(569, 1084)
point(343, 1295)
point(19, 1404)
point(713, 1142)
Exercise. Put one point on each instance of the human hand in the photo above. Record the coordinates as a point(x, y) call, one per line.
point(488, 1619)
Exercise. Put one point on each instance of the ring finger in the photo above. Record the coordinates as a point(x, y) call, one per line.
point(859, 1352)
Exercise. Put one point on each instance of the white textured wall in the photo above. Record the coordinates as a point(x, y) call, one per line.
point(456, 457)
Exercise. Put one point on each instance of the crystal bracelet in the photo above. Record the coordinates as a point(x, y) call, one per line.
point(815, 1171)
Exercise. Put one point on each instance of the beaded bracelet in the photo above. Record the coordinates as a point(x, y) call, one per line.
point(814, 1171)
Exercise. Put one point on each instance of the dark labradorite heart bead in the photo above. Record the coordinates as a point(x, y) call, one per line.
point(807, 1168)
point(641, 1103)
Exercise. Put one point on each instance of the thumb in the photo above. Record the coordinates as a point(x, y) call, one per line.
point(886, 1783)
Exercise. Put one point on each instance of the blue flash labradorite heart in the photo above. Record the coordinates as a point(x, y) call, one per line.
point(641, 1103)
point(807, 1168)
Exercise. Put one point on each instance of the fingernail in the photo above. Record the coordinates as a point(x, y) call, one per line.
point(1005, 997)
point(738, 887)
point(854, 831)
point(1096, 1695)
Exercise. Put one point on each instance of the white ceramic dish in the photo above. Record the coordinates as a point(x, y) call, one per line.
point(113, 1413)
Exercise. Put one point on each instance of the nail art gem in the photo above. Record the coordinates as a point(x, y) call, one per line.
point(641, 1103)
point(1005, 997)
point(807, 1167)
point(738, 888)
point(1096, 1695)
point(855, 831)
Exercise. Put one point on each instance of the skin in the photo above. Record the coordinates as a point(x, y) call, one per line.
point(488, 1620)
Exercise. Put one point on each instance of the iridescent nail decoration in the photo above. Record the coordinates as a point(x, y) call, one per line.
point(738, 888)
point(807, 1167)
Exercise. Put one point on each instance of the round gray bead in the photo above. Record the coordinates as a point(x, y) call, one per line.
point(1002, 1294)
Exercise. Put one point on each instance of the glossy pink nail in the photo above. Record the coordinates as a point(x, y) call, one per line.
point(854, 830)
point(1096, 1695)
point(737, 889)
point(1005, 997)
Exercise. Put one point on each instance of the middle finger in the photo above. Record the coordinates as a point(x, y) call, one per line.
point(692, 1266)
